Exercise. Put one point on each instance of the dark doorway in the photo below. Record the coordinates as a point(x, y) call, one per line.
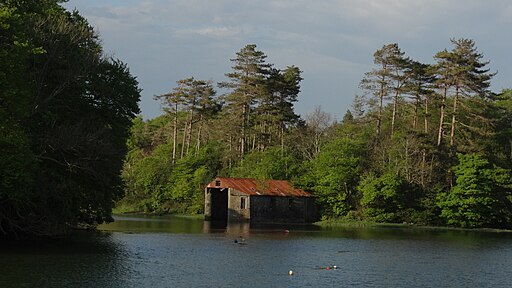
point(219, 200)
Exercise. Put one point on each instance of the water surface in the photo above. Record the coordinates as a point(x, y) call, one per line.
point(187, 252)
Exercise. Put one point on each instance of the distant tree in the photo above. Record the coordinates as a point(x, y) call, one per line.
point(207, 107)
point(443, 83)
point(272, 163)
point(418, 87)
point(175, 100)
point(276, 110)
point(461, 71)
point(503, 104)
point(386, 198)
point(388, 79)
point(358, 108)
point(334, 174)
point(247, 84)
point(481, 197)
point(396, 170)
point(184, 192)
point(314, 134)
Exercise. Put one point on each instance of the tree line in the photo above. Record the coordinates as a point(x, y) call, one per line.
point(65, 113)
point(423, 143)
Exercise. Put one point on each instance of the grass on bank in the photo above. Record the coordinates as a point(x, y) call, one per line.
point(355, 223)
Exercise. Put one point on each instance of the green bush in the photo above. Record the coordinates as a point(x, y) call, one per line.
point(481, 196)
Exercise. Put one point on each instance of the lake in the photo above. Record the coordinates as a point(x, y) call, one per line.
point(188, 252)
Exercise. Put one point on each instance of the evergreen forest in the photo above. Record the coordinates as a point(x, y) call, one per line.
point(422, 143)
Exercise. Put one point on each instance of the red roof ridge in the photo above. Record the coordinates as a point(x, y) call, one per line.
point(252, 186)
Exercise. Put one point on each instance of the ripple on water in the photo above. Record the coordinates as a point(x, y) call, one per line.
point(364, 257)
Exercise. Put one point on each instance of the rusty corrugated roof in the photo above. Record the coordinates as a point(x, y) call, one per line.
point(259, 187)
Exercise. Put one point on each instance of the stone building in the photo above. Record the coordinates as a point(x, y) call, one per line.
point(257, 201)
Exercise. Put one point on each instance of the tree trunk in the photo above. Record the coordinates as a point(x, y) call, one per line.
point(441, 118)
point(407, 169)
point(230, 151)
point(425, 120)
point(395, 103)
point(381, 102)
point(393, 117)
point(199, 131)
point(183, 140)
point(455, 100)
point(415, 115)
point(189, 130)
point(242, 136)
point(282, 137)
point(175, 134)
point(423, 164)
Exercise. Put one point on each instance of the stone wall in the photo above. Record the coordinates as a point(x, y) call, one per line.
point(239, 206)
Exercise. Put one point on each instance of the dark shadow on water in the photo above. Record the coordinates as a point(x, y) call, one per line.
point(80, 241)
point(83, 259)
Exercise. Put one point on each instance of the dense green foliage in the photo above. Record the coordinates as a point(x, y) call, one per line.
point(388, 198)
point(334, 175)
point(393, 157)
point(65, 113)
point(155, 184)
point(481, 197)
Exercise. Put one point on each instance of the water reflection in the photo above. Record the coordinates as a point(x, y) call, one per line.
point(196, 225)
point(144, 224)
point(189, 252)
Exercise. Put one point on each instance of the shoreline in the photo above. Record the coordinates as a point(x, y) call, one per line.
point(366, 224)
point(334, 223)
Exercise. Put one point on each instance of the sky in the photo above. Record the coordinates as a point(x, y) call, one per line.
point(331, 41)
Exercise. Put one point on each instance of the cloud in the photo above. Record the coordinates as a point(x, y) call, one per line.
point(506, 14)
point(214, 31)
point(332, 41)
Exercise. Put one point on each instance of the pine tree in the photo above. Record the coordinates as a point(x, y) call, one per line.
point(418, 87)
point(460, 75)
point(174, 101)
point(386, 81)
point(247, 82)
point(277, 110)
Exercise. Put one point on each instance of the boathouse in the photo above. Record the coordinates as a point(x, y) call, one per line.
point(257, 201)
